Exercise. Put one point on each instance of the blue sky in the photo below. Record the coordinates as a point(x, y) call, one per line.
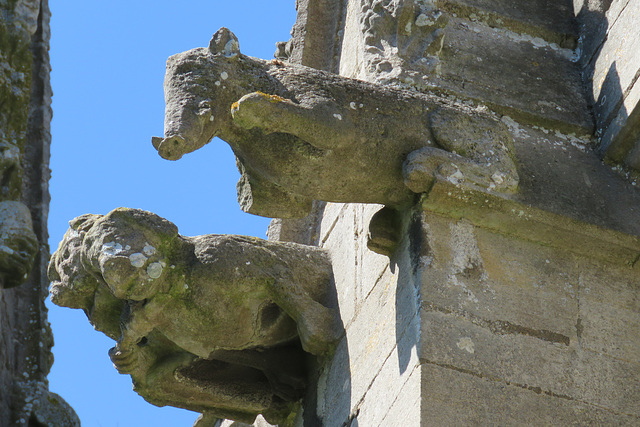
point(108, 61)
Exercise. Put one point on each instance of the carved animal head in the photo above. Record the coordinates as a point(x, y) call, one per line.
point(122, 252)
point(71, 284)
point(199, 88)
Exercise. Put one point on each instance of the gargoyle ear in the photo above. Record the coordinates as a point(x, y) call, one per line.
point(83, 222)
point(224, 42)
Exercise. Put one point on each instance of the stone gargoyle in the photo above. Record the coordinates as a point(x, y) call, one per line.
point(18, 243)
point(217, 324)
point(300, 134)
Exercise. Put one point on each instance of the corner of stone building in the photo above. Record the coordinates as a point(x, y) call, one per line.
point(515, 311)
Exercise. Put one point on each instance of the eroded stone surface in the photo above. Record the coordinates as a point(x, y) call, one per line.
point(18, 243)
point(300, 134)
point(213, 323)
point(25, 137)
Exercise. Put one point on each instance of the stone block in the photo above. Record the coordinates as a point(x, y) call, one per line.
point(567, 198)
point(594, 18)
point(550, 20)
point(524, 77)
point(372, 341)
point(384, 319)
point(453, 397)
point(407, 411)
point(337, 223)
point(530, 362)
point(351, 61)
point(508, 356)
point(331, 214)
point(559, 173)
point(497, 280)
point(313, 33)
point(395, 387)
point(334, 387)
point(610, 311)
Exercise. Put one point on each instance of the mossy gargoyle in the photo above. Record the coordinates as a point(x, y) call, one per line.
point(300, 134)
point(215, 323)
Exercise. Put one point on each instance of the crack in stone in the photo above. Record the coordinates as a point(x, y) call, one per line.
point(537, 390)
point(503, 327)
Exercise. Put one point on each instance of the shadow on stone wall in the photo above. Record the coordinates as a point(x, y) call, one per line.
point(617, 128)
point(407, 298)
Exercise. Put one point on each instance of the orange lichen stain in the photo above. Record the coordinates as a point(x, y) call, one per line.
point(277, 62)
point(271, 98)
point(234, 106)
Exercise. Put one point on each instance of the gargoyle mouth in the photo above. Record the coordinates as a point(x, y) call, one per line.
point(60, 295)
point(170, 148)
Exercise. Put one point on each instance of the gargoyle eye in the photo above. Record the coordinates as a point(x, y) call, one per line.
point(205, 104)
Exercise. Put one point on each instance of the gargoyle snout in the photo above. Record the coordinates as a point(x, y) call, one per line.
point(170, 148)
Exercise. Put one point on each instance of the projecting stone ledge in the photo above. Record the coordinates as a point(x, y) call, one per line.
point(567, 198)
point(519, 220)
point(564, 190)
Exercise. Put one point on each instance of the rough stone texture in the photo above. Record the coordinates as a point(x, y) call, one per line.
point(375, 364)
point(211, 323)
point(25, 115)
point(550, 20)
point(458, 398)
point(527, 78)
point(18, 243)
point(316, 28)
point(512, 70)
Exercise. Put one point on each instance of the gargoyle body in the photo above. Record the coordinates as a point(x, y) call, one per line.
point(214, 323)
point(301, 134)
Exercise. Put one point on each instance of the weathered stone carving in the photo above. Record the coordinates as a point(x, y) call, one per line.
point(18, 243)
point(213, 323)
point(10, 171)
point(300, 134)
point(403, 40)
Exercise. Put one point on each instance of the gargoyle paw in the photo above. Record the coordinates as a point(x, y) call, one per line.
point(256, 109)
point(124, 359)
point(319, 331)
